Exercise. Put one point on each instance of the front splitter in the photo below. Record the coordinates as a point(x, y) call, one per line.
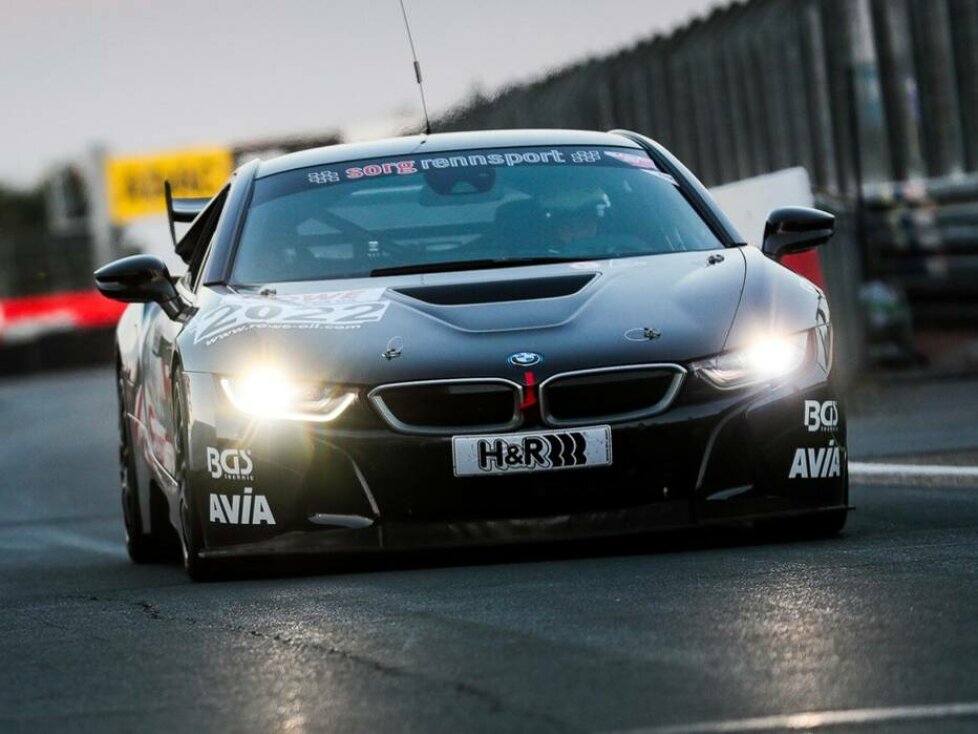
point(393, 536)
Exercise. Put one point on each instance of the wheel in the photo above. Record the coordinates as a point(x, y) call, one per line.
point(820, 525)
point(191, 535)
point(142, 547)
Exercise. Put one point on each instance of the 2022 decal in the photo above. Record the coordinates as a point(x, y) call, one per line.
point(244, 314)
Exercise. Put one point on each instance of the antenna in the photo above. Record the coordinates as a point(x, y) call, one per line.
point(417, 71)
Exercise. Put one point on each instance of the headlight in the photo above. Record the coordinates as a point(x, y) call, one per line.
point(270, 393)
point(767, 359)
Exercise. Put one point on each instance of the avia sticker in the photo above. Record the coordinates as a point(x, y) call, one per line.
point(823, 463)
point(821, 415)
point(231, 463)
point(241, 509)
point(237, 314)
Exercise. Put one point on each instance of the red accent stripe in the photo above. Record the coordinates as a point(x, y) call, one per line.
point(530, 396)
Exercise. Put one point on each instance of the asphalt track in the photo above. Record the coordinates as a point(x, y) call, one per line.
point(874, 631)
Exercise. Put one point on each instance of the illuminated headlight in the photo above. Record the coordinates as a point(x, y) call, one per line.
point(270, 393)
point(767, 359)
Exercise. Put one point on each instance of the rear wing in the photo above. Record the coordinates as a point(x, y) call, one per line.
point(182, 210)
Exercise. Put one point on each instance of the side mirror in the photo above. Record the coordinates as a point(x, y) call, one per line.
point(796, 229)
point(140, 279)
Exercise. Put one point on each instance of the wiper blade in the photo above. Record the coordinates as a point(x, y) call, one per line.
point(261, 290)
point(460, 265)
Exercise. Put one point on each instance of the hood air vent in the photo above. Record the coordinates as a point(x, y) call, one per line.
point(498, 291)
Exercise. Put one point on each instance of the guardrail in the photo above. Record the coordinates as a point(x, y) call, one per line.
point(877, 99)
point(50, 316)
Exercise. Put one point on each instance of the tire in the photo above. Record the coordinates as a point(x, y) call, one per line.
point(197, 568)
point(191, 534)
point(807, 527)
point(151, 547)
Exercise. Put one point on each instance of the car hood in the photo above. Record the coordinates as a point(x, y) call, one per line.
point(663, 308)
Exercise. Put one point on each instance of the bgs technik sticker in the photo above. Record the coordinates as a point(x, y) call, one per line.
point(230, 464)
point(336, 310)
point(821, 415)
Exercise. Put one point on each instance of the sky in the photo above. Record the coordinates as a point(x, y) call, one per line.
point(138, 76)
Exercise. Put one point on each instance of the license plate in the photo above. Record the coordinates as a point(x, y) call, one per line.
point(515, 453)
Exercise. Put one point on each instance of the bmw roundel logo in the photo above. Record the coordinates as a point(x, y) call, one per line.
point(524, 359)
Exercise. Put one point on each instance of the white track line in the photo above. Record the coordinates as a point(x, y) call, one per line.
point(70, 539)
point(866, 469)
point(818, 720)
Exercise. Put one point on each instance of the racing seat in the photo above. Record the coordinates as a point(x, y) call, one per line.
point(520, 226)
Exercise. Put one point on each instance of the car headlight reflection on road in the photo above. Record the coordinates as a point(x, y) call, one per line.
point(768, 358)
point(268, 392)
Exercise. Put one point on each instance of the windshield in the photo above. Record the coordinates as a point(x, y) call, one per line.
point(473, 208)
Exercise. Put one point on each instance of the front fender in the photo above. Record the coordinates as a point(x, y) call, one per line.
point(775, 301)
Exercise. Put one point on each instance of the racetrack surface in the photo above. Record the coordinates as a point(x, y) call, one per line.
point(708, 632)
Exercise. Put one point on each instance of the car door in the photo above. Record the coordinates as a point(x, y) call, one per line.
point(158, 352)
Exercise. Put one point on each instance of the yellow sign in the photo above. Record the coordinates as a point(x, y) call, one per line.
point(135, 184)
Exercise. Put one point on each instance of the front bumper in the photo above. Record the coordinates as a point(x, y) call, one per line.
point(713, 457)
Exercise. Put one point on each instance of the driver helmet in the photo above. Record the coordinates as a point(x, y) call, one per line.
point(575, 213)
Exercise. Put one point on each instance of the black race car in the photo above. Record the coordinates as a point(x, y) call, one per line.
point(481, 337)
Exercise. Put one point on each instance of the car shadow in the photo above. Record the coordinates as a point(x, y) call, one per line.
point(659, 543)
